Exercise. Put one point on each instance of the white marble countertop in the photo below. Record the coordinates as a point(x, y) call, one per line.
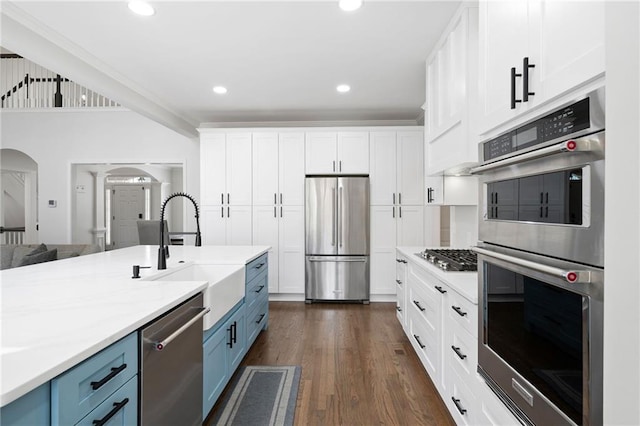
point(55, 315)
point(465, 283)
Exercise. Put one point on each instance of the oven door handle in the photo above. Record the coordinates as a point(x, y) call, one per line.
point(571, 276)
point(572, 145)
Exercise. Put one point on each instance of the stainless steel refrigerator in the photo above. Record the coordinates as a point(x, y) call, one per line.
point(337, 238)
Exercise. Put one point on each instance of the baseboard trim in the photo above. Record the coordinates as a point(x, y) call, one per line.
point(299, 297)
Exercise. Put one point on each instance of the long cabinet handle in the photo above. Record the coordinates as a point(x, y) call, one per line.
point(525, 79)
point(117, 406)
point(415, 336)
point(334, 166)
point(400, 211)
point(394, 198)
point(573, 277)
point(459, 311)
point(440, 289)
point(228, 198)
point(259, 320)
point(281, 215)
point(461, 409)
point(230, 330)
point(399, 282)
point(399, 197)
point(514, 101)
point(259, 289)
point(221, 211)
point(415, 302)
point(457, 351)
point(161, 345)
point(228, 211)
point(221, 198)
point(393, 212)
point(340, 165)
point(275, 198)
point(260, 265)
point(114, 372)
point(281, 198)
point(275, 214)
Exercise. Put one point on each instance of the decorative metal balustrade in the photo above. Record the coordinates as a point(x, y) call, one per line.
point(11, 235)
point(24, 85)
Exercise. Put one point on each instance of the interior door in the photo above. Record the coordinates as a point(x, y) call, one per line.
point(128, 207)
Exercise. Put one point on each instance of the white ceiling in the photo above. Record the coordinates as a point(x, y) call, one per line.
point(280, 61)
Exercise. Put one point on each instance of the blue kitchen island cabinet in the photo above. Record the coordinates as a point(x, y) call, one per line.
point(33, 408)
point(227, 342)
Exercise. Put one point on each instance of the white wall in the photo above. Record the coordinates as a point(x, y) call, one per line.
point(622, 216)
point(463, 226)
point(57, 139)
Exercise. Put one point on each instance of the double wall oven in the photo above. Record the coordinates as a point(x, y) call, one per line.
point(541, 265)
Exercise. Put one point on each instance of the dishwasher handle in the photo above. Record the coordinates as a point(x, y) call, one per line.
point(161, 345)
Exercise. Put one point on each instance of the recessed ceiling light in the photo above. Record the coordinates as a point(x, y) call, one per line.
point(349, 5)
point(343, 88)
point(141, 8)
point(220, 90)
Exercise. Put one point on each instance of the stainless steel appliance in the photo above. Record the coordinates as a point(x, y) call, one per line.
point(337, 238)
point(541, 265)
point(451, 259)
point(171, 367)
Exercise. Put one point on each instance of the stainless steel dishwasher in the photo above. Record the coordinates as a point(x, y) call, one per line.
point(171, 367)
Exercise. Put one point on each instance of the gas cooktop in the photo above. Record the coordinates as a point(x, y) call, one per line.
point(451, 259)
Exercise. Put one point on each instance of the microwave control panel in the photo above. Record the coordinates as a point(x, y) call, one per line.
point(562, 122)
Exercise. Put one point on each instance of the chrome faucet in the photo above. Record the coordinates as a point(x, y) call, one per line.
point(163, 251)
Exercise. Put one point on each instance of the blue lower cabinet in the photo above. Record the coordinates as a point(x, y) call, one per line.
point(33, 408)
point(223, 349)
point(119, 409)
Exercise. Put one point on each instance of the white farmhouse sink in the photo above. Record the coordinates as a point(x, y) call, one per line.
point(226, 286)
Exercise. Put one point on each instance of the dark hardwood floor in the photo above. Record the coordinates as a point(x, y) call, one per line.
point(358, 367)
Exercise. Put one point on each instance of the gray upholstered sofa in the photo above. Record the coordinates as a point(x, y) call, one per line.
point(13, 255)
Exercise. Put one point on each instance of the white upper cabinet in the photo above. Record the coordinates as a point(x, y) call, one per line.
point(278, 169)
point(225, 169)
point(337, 153)
point(533, 51)
point(452, 95)
point(396, 173)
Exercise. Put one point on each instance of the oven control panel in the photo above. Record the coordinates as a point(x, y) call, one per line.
point(562, 122)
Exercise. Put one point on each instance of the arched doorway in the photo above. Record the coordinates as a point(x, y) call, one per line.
point(19, 200)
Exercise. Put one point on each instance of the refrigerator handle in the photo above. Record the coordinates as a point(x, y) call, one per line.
point(333, 216)
point(340, 216)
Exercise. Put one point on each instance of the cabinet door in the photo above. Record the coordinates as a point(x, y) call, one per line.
point(434, 190)
point(238, 169)
point(238, 225)
point(410, 164)
point(410, 226)
point(321, 150)
point(212, 168)
point(382, 176)
point(238, 330)
point(214, 231)
point(33, 408)
point(383, 249)
point(291, 253)
point(265, 169)
point(353, 152)
point(291, 174)
point(265, 233)
point(215, 368)
point(504, 41)
point(568, 55)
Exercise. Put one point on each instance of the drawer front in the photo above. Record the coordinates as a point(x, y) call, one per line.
point(119, 409)
point(461, 350)
point(256, 289)
point(491, 410)
point(256, 266)
point(463, 312)
point(256, 321)
point(77, 392)
point(400, 299)
point(422, 300)
point(425, 344)
point(461, 400)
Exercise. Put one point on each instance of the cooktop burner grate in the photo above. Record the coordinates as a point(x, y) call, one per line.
point(451, 259)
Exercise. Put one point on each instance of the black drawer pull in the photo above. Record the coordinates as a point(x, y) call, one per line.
point(457, 351)
point(259, 289)
point(260, 265)
point(399, 260)
point(415, 302)
point(399, 282)
point(458, 406)
point(398, 308)
point(415, 336)
point(440, 289)
point(458, 310)
point(260, 319)
point(117, 406)
point(114, 373)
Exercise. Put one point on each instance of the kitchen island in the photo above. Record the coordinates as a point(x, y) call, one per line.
point(57, 314)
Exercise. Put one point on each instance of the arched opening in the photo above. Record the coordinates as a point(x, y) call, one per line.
point(19, 200)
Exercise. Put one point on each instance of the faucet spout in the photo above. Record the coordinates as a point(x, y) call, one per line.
point(164, 250)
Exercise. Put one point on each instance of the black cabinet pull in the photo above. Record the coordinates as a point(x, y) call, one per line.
point(541, 211)
point(496, 216)
point(458, 310)
point(260, 319)
point(457, 351)
point(281, 198)
point(235, 332)
point(525, 79)
point(230, 330)
point(546, 211)
point(221, 198)
point(429, 195)
point(274, 212)
point(280, 211)
point(221, 211)
point(440, 289)
point(403, 261)
point(547, 197)
point(114, 372)
point(541, 197)
point(514, 101)
point(399, 197)
point(393, 212)
point(398, 308)
point(399, 282)
point(228, 211)
point(394, 198)
point(334, 166)
point(415, 302)
point(117, 406)
point(259, 265)
point(415, 336)
point(398, 260)
point(275, 198)
point(228, 199)
point(259, 289)
point(400, 211)
point(458, 406)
